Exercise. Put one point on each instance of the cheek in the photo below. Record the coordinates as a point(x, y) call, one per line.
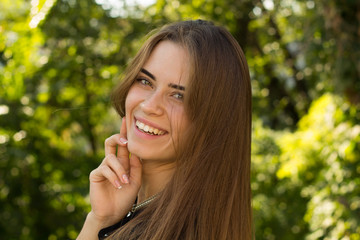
point(130, 100)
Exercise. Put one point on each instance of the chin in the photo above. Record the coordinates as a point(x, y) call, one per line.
point(133, 149)
point(139, 151)
point(149, 154)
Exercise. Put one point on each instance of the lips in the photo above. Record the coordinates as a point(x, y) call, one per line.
point(151, 130)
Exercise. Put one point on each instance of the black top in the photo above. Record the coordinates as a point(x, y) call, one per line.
point(105, 232)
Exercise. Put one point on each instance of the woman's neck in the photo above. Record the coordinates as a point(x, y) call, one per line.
point(154, 178)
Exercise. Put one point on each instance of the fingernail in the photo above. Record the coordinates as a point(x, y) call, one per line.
point(125, 178)
point(123, 140)
point(117, 184)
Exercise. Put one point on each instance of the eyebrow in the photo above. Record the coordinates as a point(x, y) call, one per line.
point(146, 72)
point(179, 87)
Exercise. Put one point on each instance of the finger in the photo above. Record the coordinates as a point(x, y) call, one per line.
point(135, 170)
point(102, 173)
point(123, 152)
point(113, 162)
point(112, 143)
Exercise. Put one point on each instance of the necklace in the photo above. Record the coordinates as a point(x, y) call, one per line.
point(144, 203)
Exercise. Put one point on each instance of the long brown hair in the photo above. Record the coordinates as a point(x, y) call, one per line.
point(209, 195)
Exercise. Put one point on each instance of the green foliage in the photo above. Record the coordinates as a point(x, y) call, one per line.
point(59, 61)
point(306, 182)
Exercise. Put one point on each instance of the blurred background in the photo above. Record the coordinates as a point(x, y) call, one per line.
point(60, 59)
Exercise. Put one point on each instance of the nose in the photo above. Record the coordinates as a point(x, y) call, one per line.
point(153, 104)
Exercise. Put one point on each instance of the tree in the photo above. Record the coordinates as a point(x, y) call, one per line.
point(59, 61)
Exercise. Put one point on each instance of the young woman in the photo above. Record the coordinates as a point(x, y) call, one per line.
point(183, 152)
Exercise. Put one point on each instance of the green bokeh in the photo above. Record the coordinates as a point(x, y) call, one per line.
point(60, 59)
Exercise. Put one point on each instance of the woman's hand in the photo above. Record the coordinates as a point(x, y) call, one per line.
point(115, 183)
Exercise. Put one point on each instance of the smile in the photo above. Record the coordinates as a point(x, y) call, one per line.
point(149, 130)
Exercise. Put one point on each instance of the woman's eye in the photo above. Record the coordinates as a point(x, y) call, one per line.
point(144, 81)
point(178, 96)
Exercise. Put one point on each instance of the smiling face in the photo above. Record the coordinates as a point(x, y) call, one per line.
point(155, 116)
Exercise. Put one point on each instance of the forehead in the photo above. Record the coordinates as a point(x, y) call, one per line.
point(169, 62)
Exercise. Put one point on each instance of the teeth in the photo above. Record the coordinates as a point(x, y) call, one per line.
point(148, 129)
point(151, 130)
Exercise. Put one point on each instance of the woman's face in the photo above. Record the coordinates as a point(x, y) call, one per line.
point(155, 116)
